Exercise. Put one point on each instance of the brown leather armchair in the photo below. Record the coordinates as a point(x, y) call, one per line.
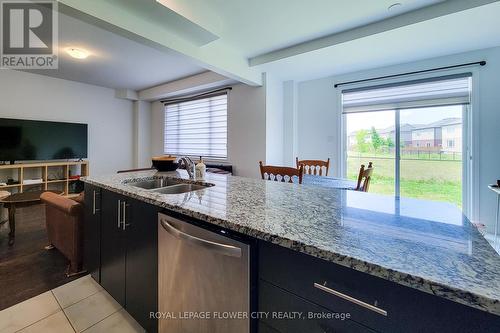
point(64, 221)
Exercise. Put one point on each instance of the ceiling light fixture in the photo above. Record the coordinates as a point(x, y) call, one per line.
point(395, 6)
point(77, 53)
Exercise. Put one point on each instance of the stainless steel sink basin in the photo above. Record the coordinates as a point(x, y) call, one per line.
point(180, 188)
point(151, 184)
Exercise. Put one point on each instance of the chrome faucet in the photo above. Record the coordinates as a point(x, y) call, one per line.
point(188, 164)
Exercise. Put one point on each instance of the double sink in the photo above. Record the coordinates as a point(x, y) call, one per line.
point(167, 185)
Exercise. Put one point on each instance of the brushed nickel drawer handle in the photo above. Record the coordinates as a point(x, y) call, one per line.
point(351, 299)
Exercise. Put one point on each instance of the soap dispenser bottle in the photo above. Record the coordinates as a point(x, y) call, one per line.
point(200, 169)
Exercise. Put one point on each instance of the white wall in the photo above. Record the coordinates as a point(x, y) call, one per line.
point(274, 121)
point(30, 96)
point(290, 123)
point(246, 129)
point(157, 128)
point(319, 119)
point(142, 136)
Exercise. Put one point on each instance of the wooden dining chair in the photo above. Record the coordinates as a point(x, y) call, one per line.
point(364, 177)
point(280, 173)
point(314, 167)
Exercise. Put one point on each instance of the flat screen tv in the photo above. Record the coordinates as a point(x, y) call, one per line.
point(31, 140)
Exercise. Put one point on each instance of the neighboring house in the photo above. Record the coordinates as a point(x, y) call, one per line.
point(443, 135)
point(351, 139)
point(406, 130)
point(452, 137)
point(385, 133)
point(430, 137)
point(388, 132)
point(426, 137)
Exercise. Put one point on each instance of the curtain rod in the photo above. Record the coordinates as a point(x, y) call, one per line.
point(482, 63)
point(194, 96)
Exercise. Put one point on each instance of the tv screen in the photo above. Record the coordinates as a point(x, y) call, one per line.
point(28, 140)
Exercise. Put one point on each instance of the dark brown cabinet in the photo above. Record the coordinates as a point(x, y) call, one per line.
point(293, 281)
point(121, 252)
point(113, 245)
point(92, 231)
point(141, 269)
point(127, 235)
point(301, 315)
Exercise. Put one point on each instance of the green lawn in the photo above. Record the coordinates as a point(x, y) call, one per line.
point(434, 179)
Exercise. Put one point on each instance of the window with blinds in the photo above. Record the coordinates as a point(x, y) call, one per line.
point(441, 91)
point(197, 127)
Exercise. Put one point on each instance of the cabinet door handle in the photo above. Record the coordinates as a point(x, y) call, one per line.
point(350, 299)
point(124, 220)
point(119, 213)
point(94, 208)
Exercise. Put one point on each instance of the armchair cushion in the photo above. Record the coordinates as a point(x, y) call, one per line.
point(80, 198)
point(68, 206)
point(64, 220)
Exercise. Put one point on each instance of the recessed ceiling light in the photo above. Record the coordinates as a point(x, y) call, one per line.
point(77, 53)
point(395, 6)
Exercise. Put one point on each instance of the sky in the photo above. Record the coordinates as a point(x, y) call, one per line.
point(383, 119)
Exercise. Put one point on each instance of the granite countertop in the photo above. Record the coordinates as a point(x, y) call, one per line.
point(425, 245)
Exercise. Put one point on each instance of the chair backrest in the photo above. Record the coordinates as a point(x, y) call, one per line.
point(314, 167)
point(364, 177)
point(279, 173)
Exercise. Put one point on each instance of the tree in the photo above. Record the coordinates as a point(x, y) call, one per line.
point(389, 143)
point(377, 141)
point(361, 141)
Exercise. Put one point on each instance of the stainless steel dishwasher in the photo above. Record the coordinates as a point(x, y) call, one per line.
point(203, 280)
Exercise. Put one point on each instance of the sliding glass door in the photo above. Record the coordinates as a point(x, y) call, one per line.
point(414, 133)
point(371, 138)
point(431, 153)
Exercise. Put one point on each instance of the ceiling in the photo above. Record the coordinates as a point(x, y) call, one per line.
point(473, 29)
point(260, 26)
point(137, 44)
point(115, 61)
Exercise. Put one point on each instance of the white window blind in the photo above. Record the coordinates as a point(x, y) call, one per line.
point(449, 90)
point(197, 127)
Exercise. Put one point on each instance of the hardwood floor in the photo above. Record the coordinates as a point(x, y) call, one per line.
point(26, 268)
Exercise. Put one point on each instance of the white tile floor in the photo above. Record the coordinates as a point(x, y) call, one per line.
point(79, 306)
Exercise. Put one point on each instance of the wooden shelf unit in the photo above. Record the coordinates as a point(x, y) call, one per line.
point(44, 169)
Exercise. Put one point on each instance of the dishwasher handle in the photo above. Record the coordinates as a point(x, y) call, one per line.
point(227, 250)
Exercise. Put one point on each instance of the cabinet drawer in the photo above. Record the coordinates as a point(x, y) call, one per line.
point(273, 300)
point(264, 328)
point(341, 289)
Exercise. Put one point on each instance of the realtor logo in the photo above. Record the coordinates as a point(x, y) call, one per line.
point(29, 37)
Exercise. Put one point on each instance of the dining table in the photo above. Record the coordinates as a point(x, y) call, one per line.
point(330, 182)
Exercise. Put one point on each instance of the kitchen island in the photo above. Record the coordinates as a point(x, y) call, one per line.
point(392, 264)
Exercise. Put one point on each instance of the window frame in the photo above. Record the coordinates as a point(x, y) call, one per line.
point(470, 140)
point(221, 160)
